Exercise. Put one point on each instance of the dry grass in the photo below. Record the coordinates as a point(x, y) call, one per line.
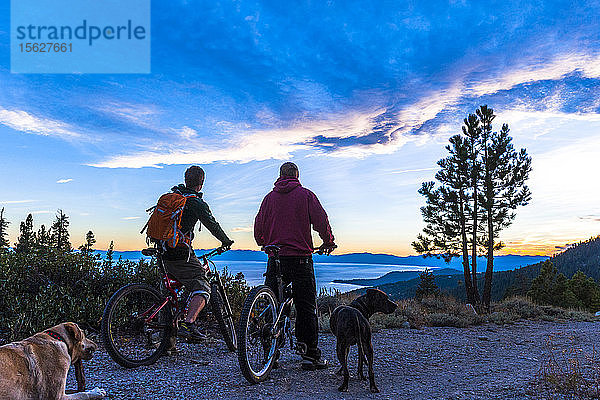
point(570, 370)
point(525, 308)
point(447, 311)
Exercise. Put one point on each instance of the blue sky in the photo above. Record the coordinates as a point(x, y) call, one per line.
point(362, 96)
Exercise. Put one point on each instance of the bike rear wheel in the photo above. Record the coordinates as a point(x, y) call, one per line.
point(257, 345)
point(223, 315)
point(135, 328)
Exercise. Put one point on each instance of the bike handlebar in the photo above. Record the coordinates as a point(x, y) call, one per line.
point(217, 251)
point(322, 249)
point(325, 249)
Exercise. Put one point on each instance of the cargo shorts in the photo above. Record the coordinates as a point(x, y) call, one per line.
point(191, 273)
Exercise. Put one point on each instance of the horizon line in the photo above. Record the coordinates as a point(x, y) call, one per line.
point(365, 252)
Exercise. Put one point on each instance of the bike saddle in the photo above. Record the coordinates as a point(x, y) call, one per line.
point(150, 251)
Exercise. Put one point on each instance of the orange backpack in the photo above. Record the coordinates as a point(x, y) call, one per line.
point(164, 224)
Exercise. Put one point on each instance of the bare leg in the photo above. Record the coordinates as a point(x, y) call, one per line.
point(196, 305)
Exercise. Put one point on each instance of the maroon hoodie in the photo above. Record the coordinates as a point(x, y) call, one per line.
point(285, 218)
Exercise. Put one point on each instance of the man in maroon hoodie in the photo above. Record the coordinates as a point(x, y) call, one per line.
point(284, 219)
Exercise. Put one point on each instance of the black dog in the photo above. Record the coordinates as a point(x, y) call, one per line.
point(350, 324)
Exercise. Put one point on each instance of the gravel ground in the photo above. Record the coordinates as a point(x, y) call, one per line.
point(484, 362)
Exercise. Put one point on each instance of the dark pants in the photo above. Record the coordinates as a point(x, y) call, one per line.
point(299, 271)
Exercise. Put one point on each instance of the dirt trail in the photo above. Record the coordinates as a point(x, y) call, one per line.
point(484, 362)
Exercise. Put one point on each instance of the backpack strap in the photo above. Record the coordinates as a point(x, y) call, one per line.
point(176, 217)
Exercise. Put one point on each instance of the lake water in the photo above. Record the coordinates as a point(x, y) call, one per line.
point(325, 272)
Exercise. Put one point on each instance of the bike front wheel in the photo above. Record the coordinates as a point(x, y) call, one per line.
point(223, 315)
point(256, 343)
point(136, 325)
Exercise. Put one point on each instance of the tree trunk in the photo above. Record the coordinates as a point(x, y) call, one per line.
point(489, 271)
point(474, 246)
point(465, 251)
point(489, 206)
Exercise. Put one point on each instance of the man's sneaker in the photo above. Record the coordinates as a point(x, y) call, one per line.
point(311, 364)
point(190, 332)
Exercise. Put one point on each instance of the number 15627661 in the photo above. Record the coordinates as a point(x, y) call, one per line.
point(46, 47)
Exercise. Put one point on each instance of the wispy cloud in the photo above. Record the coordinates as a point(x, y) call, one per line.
point(539, 70)
point(595, 218)
point(406, 171)
point(383, 129)
point(130, 218)
point(276, 143)
point(187, 133)
point(64, 180)
point(23, 121)
point(242, 229)
point(139, 114)
point(41, 212)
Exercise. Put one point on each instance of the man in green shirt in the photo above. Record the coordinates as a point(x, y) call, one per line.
point(181, 262)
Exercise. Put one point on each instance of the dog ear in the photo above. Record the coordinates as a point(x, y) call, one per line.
point(74, 332)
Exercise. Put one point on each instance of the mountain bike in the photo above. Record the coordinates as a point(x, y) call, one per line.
point(265, 324)
point(139, 321)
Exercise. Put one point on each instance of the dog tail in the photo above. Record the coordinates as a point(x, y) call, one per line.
point(360, 343)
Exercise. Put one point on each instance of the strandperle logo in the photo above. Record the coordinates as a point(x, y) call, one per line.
point(84, 31)
point(80, 36)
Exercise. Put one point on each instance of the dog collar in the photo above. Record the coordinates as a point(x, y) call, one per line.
point(361, 307)
point(55, 335)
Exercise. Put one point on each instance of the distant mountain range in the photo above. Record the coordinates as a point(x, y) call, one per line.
point(501, 263)
point(584, 257)
point(396, 276)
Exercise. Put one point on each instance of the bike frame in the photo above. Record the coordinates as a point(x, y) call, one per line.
point(283, 297)
point(174, 287)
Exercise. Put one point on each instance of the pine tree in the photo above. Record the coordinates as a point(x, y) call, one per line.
point(427, 286)
point(505, 172)
point(447, 211)
point(472, 131)
point(482, 182)
point(585, 290)
point(552, 288)
point(4, 243)
point(26, 239)
point(108, 262)
point(90, 240)
point(43, 237)
point(542, 287)
point(451, 213)
point(60, 233)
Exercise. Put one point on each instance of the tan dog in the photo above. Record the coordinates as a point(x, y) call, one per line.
point(36, 368)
